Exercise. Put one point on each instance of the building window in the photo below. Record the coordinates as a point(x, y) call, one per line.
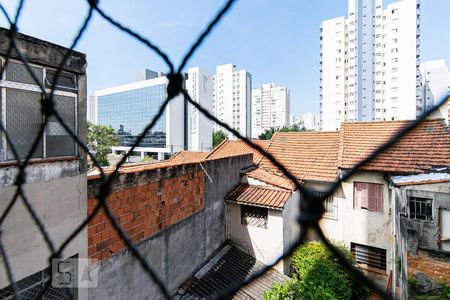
point(30, 288)
point(20, 112)
point(368, 196)
point(421, 208)
point(254, 216)
point(369, 256)
point(330, 205)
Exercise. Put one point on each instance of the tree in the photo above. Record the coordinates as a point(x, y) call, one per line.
point(268, 133)
point(218, 137)
point(100, 140)
point(317, 276)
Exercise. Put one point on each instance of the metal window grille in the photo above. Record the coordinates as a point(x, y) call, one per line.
point(64, 82)
point(58, 141)
point(254, 216)
point(330, 204)
point(369, 256)
point(31, 286)
point(17, 72)
point(421, 208)
point(23, 120)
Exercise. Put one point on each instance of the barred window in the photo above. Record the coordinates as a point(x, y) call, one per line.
point(17, 72)
point(23, 120)
point(330, 205)
point(58, 142)
point(20, 113)
point(421, 208)
point(254, 216)
point(31, 286)
point(369, 256)
point(64, 82)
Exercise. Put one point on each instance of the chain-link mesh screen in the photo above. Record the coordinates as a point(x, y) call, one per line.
point(64, 82)
point(23, 119)
point(17, 72)
point(58, 142)
point(24, 122)
point(30, 287)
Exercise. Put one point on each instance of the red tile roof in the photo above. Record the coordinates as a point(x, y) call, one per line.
point(189, 156)
point(308, 155)
point(317, 156)
point(426, 146)
point(259, 195)
point(237, 147)
point(271, 179)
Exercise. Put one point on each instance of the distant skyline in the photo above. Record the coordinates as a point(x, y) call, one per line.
point(275, 41)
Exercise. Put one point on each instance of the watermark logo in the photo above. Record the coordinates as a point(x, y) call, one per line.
point(74, 273)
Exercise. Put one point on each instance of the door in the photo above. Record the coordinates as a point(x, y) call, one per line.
point(445, 229)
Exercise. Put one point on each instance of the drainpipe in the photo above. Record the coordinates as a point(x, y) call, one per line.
point(394, 222)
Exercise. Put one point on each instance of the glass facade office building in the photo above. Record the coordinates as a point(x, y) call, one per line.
point(128, 112)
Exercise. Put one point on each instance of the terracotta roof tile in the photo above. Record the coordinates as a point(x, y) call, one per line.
point(425, 147)
point(259, 195)
point(271, 179)
point(236, 147)
point(189, 156)
point(308, 155)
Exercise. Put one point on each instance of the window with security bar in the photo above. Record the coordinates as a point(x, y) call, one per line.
point(254, 216)
point(21, 115)
point(421, 208)
point(31, 286)
point(330, 205)
point(367, 256)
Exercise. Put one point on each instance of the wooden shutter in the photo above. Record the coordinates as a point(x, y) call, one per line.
point(356, 195)
point(364, 195)
point(360, 195)
point(375, 197)
point(379, 197)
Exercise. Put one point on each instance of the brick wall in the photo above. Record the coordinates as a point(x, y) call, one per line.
point(435, 264)
point(144, 203)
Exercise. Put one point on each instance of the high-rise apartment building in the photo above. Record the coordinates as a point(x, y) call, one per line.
point(270, 108)
point(370, 63)
point(231, 98)
point(434, 86)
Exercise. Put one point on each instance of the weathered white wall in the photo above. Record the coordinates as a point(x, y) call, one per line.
point(60, 203)
point(265, 244)
point(360, 225)
point(291, 227)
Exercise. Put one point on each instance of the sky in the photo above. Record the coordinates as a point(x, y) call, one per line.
point(276, 41)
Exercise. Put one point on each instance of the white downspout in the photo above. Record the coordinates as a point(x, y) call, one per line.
point(394, 222)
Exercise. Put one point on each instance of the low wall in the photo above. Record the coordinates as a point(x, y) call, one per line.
point(433, 263)
point(190, 231)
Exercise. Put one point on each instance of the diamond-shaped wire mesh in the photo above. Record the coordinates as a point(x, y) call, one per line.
point(58, 142)
point(17, 72)
point(24, 121)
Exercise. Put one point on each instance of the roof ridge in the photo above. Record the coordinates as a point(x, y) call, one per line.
point(217, 147)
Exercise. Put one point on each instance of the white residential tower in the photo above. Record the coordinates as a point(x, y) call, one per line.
point(270, 108)
point(370, 63)
point(231, 98)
